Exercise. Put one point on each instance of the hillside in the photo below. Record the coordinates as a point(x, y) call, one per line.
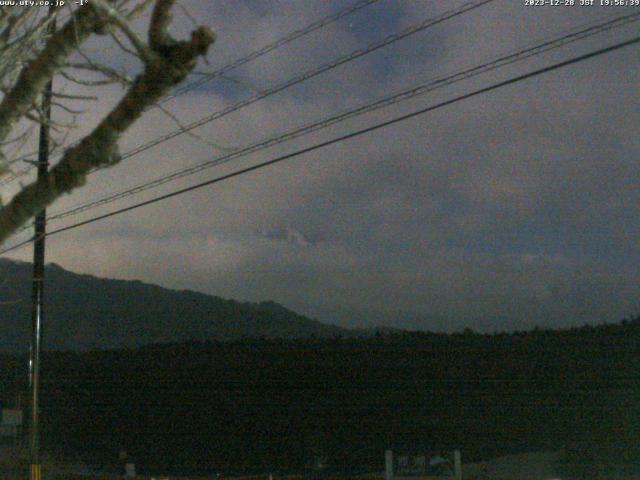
point(83, 311)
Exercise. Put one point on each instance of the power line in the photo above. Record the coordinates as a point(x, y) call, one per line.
point(312, 27)
point(348, 136)
point(411, 30)
point(425, 24)
point(18, 246)
point(271, 47)
point(430, 86)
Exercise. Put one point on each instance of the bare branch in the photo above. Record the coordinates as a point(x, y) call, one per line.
point(34, 77)
point(114, 17)
point(189, 132)
point(170, 65)
point(108, 72)
point(159, 37)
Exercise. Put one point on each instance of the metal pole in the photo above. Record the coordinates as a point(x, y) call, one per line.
point(37, 297)
point(388, 465)
point(457, 465)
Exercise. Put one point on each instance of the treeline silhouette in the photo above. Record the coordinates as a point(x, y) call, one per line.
point(269, 405)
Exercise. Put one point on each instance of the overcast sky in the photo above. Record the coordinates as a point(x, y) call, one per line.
point(516, 208)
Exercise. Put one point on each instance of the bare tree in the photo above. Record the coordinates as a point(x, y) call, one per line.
point(31, 53)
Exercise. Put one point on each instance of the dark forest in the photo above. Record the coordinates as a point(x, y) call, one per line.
point(259, 405)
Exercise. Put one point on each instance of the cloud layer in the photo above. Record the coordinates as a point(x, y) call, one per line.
point(510, 210)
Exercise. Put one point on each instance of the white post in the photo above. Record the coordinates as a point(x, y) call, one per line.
point(388, 465)
point(130, 470)
point(457, 465)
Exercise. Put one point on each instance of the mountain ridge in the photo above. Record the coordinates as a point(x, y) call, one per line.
point(85, 311)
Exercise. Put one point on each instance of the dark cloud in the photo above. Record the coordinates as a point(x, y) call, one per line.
point(510, 210)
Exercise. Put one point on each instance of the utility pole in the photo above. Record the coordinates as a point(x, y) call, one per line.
point(37, 295)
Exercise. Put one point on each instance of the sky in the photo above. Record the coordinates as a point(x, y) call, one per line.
point(513, 209)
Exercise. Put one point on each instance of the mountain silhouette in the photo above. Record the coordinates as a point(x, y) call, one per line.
point(84, 311)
